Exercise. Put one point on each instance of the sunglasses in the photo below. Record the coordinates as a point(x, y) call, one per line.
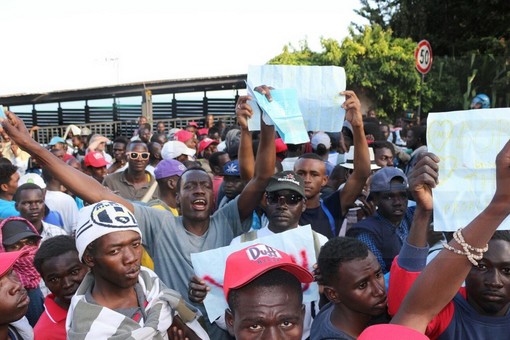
point(289, 199)
point(139, 155)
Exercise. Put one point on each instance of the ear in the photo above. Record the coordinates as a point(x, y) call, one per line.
point(229, 321)
point(331, 294)
point(324, 180)
point(304, 206)
point(4, 187)
point(88, 259)
point(171, 184)
point(178, 199)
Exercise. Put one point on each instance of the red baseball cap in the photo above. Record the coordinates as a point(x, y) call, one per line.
point(204, 144)
point(194, 124)
point(183, 135)
point(247, 264)
point(390, 332)
point(95, 159)
point(8, 259)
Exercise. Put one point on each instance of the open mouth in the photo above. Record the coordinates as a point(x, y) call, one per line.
point(199, 204)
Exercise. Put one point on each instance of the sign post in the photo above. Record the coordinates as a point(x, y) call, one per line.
point(423, 60)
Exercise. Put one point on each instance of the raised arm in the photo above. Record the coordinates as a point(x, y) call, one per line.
point(413, 255)
point(245, 155)
point(357, 180)
point(264, 166)
point(82, 185)
point(448, 270)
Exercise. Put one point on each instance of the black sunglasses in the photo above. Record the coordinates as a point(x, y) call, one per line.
point(289, 199)
point(135, 155)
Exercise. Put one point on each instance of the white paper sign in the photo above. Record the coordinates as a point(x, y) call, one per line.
point(210, 265)
point(317, 88)
point(467, 143)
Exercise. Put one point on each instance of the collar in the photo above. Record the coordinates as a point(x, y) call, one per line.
point(55, 313)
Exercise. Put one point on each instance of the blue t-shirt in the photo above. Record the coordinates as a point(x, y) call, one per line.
point(7, 209)
point(322, 328)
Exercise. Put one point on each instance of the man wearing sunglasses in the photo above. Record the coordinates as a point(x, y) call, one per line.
point(134, 182)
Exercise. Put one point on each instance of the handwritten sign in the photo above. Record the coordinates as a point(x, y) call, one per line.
point(467, 143)
point(210, 265)
point(317, 89)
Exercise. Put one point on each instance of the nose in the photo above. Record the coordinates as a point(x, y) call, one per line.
point(67, 282)
point(272, 333)
point(379, 289)
point(130, 255)
point(15, 283)
point(493, 279)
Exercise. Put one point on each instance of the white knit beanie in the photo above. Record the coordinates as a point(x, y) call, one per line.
point(100, 219)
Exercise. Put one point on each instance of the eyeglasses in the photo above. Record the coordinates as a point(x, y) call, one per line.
point(289, 199)
point(139, 155)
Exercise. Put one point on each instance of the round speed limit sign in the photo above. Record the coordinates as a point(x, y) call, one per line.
point(423, 57)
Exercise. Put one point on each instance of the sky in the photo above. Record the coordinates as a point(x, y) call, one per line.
point(56, 45)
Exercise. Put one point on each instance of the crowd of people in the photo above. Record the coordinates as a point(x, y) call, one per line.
point(97, 235)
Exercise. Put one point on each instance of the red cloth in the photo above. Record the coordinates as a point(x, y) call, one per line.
point(52, 323)
point(400, 282)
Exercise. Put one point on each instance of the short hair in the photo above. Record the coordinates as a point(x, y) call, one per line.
point(214, 159)
point(46, 174)
point(133, 142)
point(53, 247)
point(337, 251)
point(195, 168)
point(372, 128)
point(26, 186)
point(378, 144)
point(7, 169)
point(501, 235)
point(122, 140)
point(274, 278)
point(311, 155)
point(212, 131)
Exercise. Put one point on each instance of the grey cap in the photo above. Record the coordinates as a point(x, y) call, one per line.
point(381, 181)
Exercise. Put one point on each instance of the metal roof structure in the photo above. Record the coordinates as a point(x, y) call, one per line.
point(128, 90)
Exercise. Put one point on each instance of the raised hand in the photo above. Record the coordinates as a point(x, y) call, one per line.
point(423, 179)
point(16, 129)
point(244, 111)
point(352, 107)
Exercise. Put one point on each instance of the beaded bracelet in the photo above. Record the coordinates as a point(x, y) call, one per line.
point(467, 247)
point(473, 258)
point(473, 254)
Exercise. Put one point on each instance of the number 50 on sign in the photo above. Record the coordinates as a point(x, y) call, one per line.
point(423, 57)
